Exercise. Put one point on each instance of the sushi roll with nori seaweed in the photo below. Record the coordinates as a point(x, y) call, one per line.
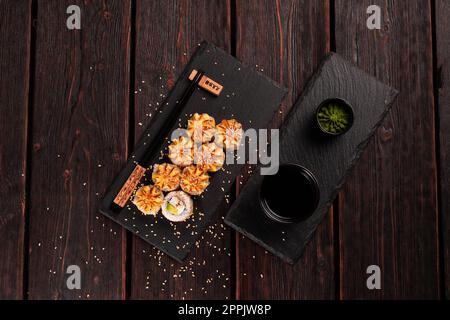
point(177, 206)
point(229, 134)
point(181, 151)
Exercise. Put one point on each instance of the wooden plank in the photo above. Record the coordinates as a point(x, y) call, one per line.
point(442, 84)
point(15, 39)
point(285, 40)
point(80, 128)
point(388, 210)
point(167, 33)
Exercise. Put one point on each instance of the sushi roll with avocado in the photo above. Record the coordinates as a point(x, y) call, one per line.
point(177, 206)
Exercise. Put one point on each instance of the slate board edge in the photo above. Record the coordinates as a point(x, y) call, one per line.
point(393, 95)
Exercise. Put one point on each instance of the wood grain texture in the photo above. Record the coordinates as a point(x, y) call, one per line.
point(15, 38)
point(388, 210)
point(167, 33)
point(285, 40)
point(442, 12)
point(80, 124)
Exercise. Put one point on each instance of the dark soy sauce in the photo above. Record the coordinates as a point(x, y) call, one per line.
point(291, 195)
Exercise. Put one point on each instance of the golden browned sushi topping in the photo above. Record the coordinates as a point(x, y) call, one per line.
point(166, 176)
point(229, 134)
point(209, 157)
point(148, 199)
point(201, 127)
point(181, 151)
point(194, 180)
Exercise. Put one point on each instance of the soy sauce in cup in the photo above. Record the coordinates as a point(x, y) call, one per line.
point(291, 195)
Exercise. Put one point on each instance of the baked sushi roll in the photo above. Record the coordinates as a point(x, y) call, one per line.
point(209, 157)
point(201, 127)
point(229, 134)
point(148, 199)
point(166, 176)
point(177, 206)
point(181, 151)
point(194, 180)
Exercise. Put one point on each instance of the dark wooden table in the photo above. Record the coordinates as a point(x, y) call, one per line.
point(73, 102)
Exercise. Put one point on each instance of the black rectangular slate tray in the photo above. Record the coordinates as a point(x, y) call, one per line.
point(329, 159)
point(247, 96)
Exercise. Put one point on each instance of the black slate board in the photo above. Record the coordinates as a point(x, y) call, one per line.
point(248, 97)
point(329, 159)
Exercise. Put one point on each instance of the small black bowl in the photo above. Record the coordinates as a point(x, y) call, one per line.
point(291, 195)
point(341, 103)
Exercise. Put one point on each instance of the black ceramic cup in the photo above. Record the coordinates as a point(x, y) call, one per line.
point(345, 107)
point(291, 195)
